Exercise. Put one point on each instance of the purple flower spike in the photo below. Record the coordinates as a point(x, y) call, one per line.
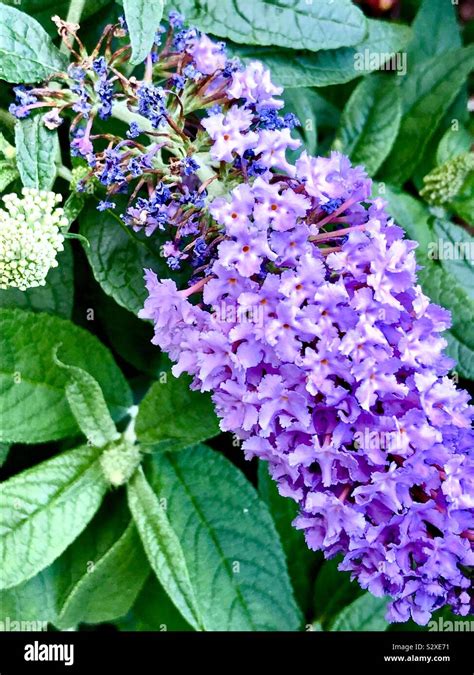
point(325, 358)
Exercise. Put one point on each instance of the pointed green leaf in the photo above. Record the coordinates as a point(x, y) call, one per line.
point(43, 510)
point(107, 590)
point(102, 572)
point(370, 121)
point(88, 405)
point(32, 386)
point(143, 19)
point(435, 30)
point(96, 579)
point(162, 547)
point(235, 560)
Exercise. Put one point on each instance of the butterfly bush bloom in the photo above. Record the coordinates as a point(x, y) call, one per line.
point(340, 383)
point(30, 238)
point(301, 314)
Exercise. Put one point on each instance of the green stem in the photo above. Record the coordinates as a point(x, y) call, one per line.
point(121, 112)
point(64, 172)
point(74, 14)
point(129, 434)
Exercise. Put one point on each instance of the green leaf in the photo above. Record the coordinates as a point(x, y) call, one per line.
point(26, 51)
point(8, 174)
point(299, 558)
point(305, 103)
point(32, 387)
point(411, 214)
point(316, 627)
point(370, 121)
point(292, 68)
point(43, 509)
point(283, 23)
point(143, 19)
point(425, 79)
point(458, 247)
point(455, 142)
point(162, 547)
point(37, 149)
point(172, 417)
point(435, 30)
point(32, 603)
point(104, 569)
point(96, 579)
point(6, 149)
point(56, 297)
point(427, 92)
point(129, 336)
point(437, 279)
point(118, 256)
point(234, 557)
point(308, 103)
point(4, 450)
point(73, 206)
point(461, 346)
point(367, 613)
point(43, 10)
point(88, 405)
point(463, 203)
point(153, 611)
point(333, 590)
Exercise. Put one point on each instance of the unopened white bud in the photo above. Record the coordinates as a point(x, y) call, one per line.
point(119, 460)
point(30, 237)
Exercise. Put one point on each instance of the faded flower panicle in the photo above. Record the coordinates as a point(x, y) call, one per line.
point(30, 238)
point(302, 314)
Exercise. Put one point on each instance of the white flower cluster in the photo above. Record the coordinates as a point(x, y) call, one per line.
point(30, 237)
